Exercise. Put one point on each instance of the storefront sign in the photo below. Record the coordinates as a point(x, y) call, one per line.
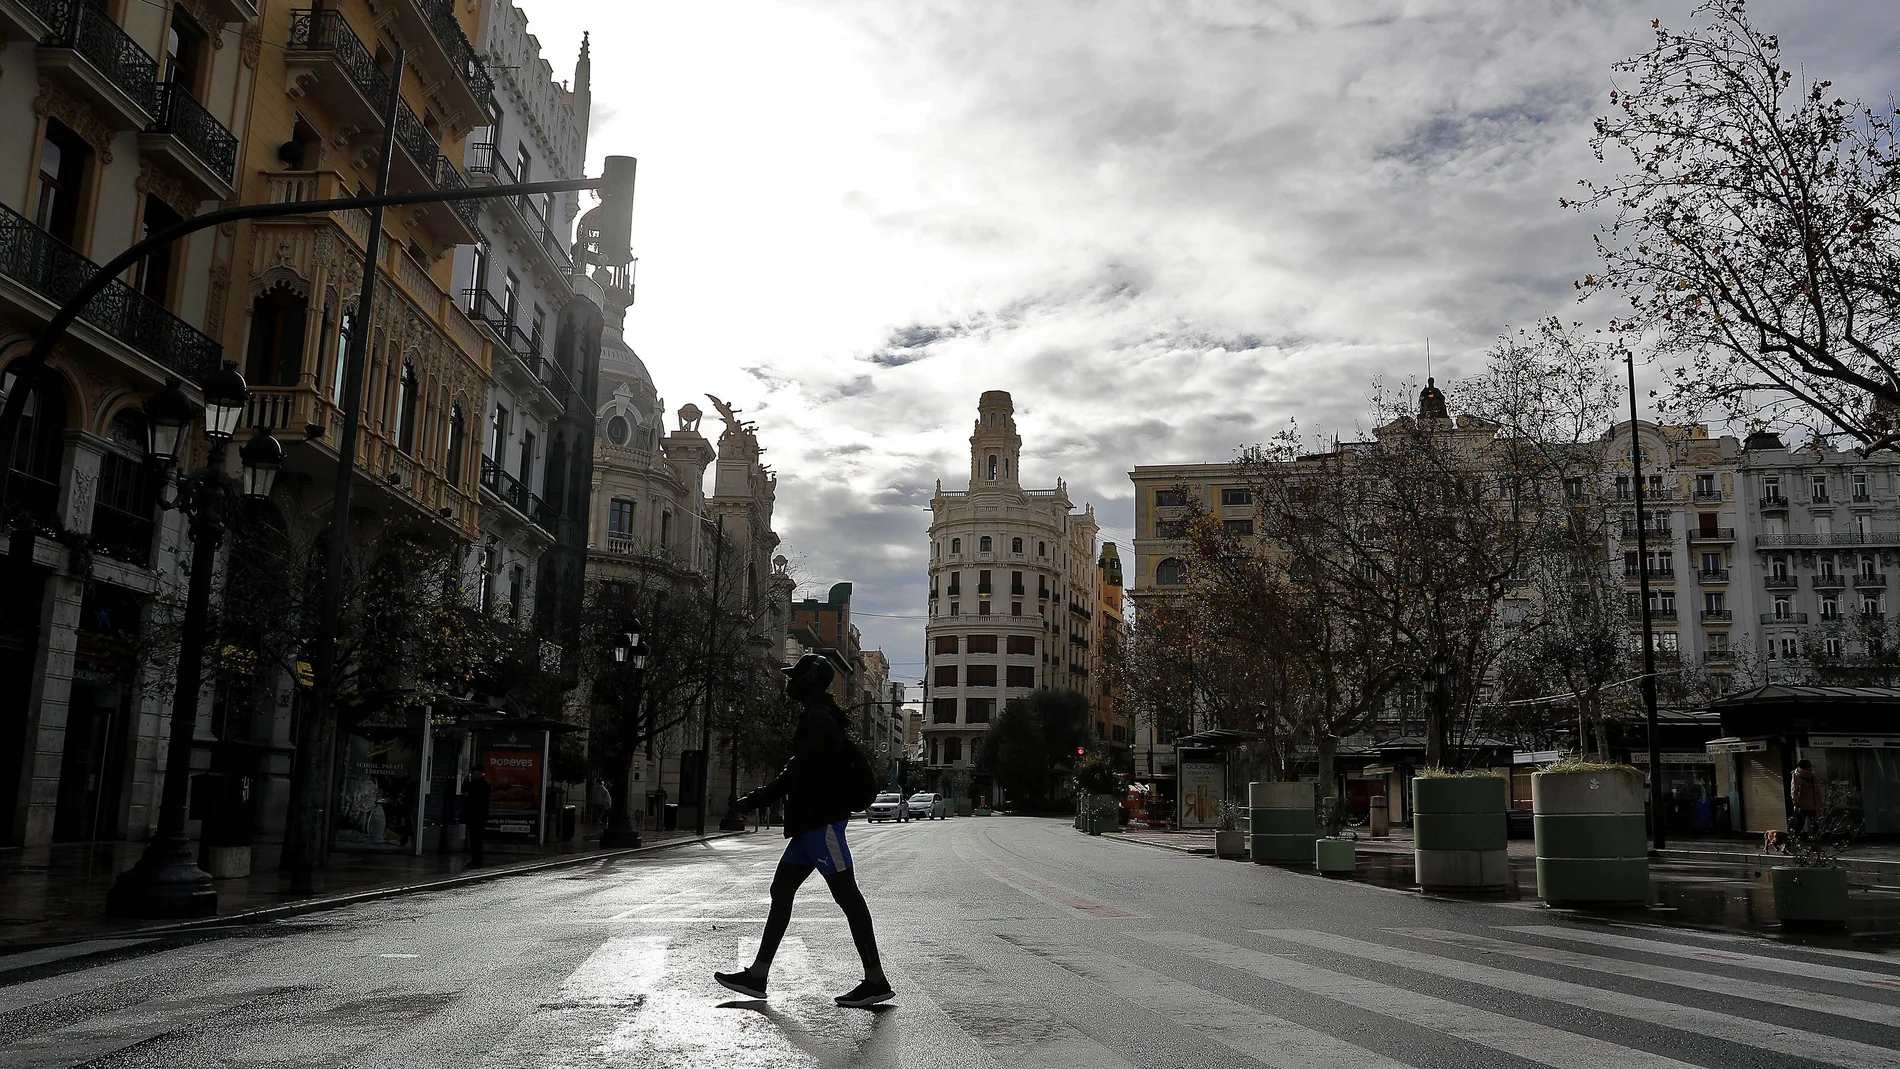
point(1735, 746)
point(1203, 786)
point(1854, 742)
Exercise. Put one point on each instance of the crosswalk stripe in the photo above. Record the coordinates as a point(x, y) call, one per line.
point(1765, 1035)
point(1787, 966)
point(1237, 1026)
point(619, 972)
point(1776, 994)
point(992, 1010)
point(27, 959)
point(1526, 1039)
point(1868, 956)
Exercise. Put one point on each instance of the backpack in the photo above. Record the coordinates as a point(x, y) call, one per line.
point(858, 785)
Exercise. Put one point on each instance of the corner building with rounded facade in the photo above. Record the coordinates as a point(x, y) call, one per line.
point(1012, 600)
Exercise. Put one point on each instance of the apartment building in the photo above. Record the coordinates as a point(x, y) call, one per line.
point(1013, 595)
point(1112, 724)
point(125, 118)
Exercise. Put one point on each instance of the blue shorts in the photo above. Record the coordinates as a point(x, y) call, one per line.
point(821, 848)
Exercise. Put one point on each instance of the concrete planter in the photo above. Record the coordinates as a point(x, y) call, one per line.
point(1460, 833)
point(1230, 843)
point(1335, 857)
point(1810, 898)
point(1281, 826)
point(1592, 843)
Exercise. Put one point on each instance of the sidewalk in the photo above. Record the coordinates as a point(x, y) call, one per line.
point(52, 894)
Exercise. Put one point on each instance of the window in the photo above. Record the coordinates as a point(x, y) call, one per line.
point(458, 444)
point(1015, 545)
point(956, 545)
point(1042, 549)
point(537, 328)
point(943, 710)
point(1783, 609)
point(1573, 488)
point(127, 492)
point(1869, 605)
point(1170, 498)
point(1042, 587)
point(983, 581)
point(982, 608)
point(1236, 495)
point(980, 675)
point(1021, 675)
point(510, 296)
point(992, 467)
point(516, 575)
point(527, 460)
point(1714, 601)
point(1015, 608)
point(1831, 646)
point(346, 326)
point(1817, 485)
point(1788, 649)
point(1170, 528)
point(479, 276)
point(617, 430)
point(1860, 486)
point(620, 517)
point(979, 711)
point(956, 579)
point(1016, 584)
point(953, 608)
point(666, 529)
point(277, 323)
point(485, 568)
point(1237, 527)
point(1867, 566)
point(153, 274)
point(1771, 486)
point(1827, 567)
point(983, 544)
point(63, 168)
point(952, 750)
point(1823, 526)
point(982, 643)
point(945, 675)
point(1021, 644)
point(1831, 607)
point(406, 410)
point(1170, 572)
point(1778, 568)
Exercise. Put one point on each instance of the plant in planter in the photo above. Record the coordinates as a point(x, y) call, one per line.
point(1592, 838)
point(1229, 840)
point(1812, 891)
point(1460, 831)
point(1333, 853)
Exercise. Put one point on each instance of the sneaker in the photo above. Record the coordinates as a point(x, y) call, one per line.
point(868, 993)
point(743, 982)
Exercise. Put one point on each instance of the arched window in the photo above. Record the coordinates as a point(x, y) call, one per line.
point(952, 750)
point(956, 545)
point(39, 451)
point(666, 529)
point(983, 544)
point(1005, 475)
point(992, 466)
point(122, 511)
point(277, 321)
point(1015, 545)
point(1042, 549)
point(345, 327)
point(406, 405)
point(617, 430)
point(458, 444)
point(1170, 572)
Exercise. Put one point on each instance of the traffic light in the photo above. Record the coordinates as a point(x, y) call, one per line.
point(1081, 751)
point(608, 229)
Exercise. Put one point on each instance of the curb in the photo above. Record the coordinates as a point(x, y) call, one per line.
point(319, 904)
point(1881, 872)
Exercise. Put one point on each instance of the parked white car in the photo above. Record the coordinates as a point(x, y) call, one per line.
point(887, 806)
point(926, 806)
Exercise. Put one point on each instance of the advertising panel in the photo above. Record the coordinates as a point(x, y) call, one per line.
point(1203, 784)
point(514, 762)
point(379, 792)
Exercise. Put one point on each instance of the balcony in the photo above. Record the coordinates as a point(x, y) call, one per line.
point(1650, 534)
point(1843, 538)
point(430, 27)
point(511, 491)
point(1654, 575)
point(197, 146)
point(1773, 503)
point(1784, 618)
point(1650, 493)
point(1718, 656)
point(1781, 582)
point(1874, 580)
point(88, 53)
point(124, 535)
point(487, 166)
point(1835, 581)
point(33, 498)
point(53, 271)
point(1656, 612)
point(1710, 495)
point(1712, 534)
point(30, 20)
point(1712, 575)
point(1721, 616)
point(328, 63)
point(1016, 592)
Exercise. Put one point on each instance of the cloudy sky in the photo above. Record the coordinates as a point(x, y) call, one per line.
point(1166, 227)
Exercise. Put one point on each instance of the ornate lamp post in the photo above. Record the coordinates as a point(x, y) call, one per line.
point(1437, 687)
point(630, 657)
point(167, 881)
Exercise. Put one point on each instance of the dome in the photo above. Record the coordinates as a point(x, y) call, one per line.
point(620, 363)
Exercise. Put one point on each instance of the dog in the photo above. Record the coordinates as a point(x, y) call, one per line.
point(1774, 842)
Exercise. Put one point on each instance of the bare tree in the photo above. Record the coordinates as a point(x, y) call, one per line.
point(1754, 231)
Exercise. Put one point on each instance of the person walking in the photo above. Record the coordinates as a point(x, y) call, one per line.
point(475, 795)
point(599, 801)
point(1804, 790)
point(814, 786)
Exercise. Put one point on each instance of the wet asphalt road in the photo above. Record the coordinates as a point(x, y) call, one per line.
point(1011, 941)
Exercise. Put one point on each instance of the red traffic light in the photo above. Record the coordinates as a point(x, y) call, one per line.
point(1081, 751)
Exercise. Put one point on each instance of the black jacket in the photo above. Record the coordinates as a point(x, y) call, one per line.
point(811, 783)
point(475, 800)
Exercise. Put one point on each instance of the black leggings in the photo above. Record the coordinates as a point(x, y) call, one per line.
point(844, 891)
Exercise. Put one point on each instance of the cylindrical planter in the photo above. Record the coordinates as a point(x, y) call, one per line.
point(1335, 857)
point(1459, 833)
point(1230, 843)
point(1592, 844)
point(1810, 898)
point(1281, 828)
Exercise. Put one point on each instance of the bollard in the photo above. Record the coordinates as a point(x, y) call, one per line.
point(1460, 833)
point(1380, 821)
point(1592, 842)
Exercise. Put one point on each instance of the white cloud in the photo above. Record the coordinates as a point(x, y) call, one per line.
point(1166, 227)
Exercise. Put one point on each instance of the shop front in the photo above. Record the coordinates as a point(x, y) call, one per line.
point(1851, 734)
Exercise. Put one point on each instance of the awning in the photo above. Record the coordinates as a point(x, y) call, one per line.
point(1735, 745)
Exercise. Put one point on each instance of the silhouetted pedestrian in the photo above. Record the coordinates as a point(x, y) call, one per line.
point(1804, 790)
point(475, 811)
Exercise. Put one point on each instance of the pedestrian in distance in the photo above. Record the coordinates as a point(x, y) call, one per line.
point(599, 800)
point(475, 811)
point(1804, 791)
point(819, 785)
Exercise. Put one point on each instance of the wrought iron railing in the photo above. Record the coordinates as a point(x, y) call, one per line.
point(447, 177)
point(86, 29)
point(416, 140)
point(325, 31)
point(490, 162)
point(50, 12)
point(31, 497)
point(122, 534)
point(454, 41)
point(504, 485)
point(51, 268)
point(181, 116)
point(482, 305)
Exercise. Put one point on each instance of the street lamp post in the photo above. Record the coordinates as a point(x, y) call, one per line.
point(167, 881)
point(630, 656)
point(1437, 687)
